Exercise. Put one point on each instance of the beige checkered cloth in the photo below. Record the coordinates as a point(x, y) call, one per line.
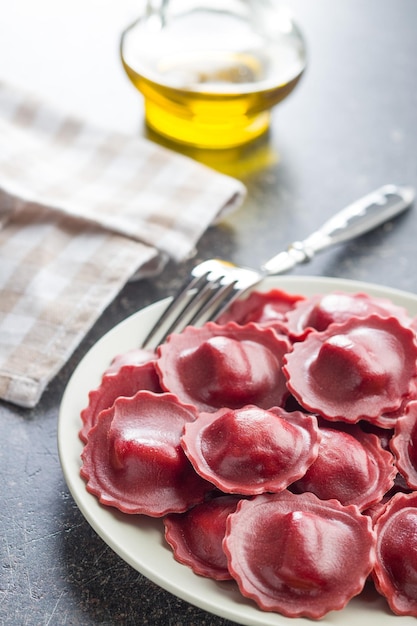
point(82, 210)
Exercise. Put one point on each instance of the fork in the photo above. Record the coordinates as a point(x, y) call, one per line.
point(215, 283)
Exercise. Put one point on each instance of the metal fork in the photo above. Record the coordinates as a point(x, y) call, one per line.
point(214, 284)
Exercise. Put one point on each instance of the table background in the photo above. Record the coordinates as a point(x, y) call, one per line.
point(348, 128)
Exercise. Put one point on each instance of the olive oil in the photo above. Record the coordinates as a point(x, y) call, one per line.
point(208, 79)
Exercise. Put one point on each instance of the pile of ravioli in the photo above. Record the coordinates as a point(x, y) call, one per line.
point(278, 445)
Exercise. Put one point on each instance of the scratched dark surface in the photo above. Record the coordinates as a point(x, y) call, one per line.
point(350, 127)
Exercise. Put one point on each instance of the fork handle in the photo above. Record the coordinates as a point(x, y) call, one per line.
point(356, 219)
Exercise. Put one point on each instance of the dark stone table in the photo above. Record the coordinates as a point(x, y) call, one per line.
point(349, 127)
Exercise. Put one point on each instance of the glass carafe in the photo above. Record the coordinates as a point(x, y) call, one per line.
point(210, 71)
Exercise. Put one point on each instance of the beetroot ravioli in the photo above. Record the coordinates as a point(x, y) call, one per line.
point(404, 444)
point(133, 459)
point(252, 450)
point(225, 366)
point(268, 309)
point(278, 445)
point(351, 466)
point(321, 310)
point(299, 555)
point(353, 371)
point(395, 572)
point(196, 536)
point(125, 380)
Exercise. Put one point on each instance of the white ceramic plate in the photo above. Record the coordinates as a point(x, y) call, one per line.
point(139, 540)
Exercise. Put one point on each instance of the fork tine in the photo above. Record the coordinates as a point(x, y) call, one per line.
point(203, 278)
point(178, 303)
point(212, 288)
point(191, 311)
point(209, 310)
point(215, 297)
point(234, 283)
point(225, 302)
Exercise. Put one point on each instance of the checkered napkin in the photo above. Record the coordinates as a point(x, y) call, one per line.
point(83, 210)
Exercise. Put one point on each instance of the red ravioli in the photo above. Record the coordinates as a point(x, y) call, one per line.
point(125, 381)
point(298, 555)
point(136, 356)
point(400, 486)
point(251, 450)
point(389, 420)
point(133, 459)
point(266, 308)
point(351, 467)
point(224, 366)
point(321, 310)
point(355, 370)
point(196, 536)
point(404, 444)
point(395, 572)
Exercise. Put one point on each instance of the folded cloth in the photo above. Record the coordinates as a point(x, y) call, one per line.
point(83, 210)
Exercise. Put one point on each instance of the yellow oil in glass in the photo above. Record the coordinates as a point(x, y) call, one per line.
point(206, 95)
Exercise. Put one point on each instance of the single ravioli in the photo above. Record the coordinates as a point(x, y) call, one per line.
point(269, 308)
point(224, 366)
point(351, 467)
point(404, 444)
point(395, 572)
point(353, 371)
point(320, 310)
point(133, 459)
point(298, 555)
point(196, 536)
point(252, 450)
